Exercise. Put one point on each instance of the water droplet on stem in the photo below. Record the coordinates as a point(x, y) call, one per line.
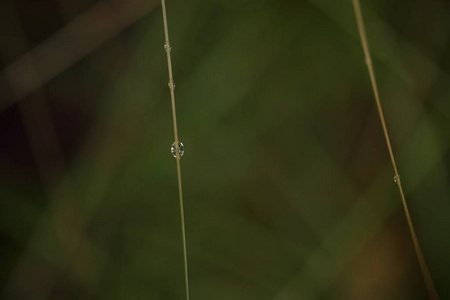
point(180, 147)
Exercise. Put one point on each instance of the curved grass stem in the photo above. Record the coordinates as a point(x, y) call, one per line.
point(423, 265)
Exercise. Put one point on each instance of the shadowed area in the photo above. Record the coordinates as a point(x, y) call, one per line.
point(288, 186)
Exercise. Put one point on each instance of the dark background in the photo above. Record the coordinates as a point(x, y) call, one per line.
point(289, 190)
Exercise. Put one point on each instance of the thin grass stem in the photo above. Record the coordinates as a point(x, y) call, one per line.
point(423, 265)
point(176, 143)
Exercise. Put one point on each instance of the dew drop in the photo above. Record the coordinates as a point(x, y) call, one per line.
point(180, 147)
point(168, 48)
point(397, 178)
point(171, 85)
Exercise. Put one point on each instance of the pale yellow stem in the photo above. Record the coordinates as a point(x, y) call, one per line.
point(423, 265)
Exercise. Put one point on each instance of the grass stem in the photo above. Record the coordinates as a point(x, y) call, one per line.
point(423, 265)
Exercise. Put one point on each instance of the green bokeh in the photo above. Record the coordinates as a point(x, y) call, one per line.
point(288, 186)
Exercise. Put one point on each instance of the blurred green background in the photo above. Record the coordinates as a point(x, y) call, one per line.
point(288, 186)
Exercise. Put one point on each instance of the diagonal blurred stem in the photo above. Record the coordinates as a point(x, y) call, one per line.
point(338, 247)
point(423, 265)
point(47, 152)
point(86, 33)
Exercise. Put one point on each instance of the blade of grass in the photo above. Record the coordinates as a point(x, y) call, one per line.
point(423, 265)
point(176, 143)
